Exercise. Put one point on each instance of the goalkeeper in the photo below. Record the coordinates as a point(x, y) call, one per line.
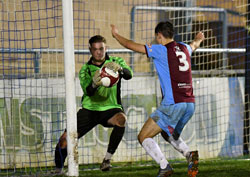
point(100, 105)
point(173, 65)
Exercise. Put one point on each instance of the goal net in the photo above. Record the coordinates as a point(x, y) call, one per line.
point(32, 79)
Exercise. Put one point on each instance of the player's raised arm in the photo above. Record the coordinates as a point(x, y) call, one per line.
point(197, 41)
point(129, 44)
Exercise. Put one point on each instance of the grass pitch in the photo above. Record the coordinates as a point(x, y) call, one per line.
point(207, 168)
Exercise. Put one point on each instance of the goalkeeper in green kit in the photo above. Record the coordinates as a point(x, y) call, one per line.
point(100, 105)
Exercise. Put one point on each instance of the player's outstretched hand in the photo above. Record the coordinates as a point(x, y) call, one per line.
point(113, 66)
point(197, 41)
point(97, 79)
point(114, 30)
point(200, 36)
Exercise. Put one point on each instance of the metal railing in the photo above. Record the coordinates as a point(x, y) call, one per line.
point(222, 12)
point(37, 53)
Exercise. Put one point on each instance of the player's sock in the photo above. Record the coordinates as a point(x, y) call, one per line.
point(108, 156)
point(153, 149)
point(179, 145)
point(115, 138)
point(60, 156)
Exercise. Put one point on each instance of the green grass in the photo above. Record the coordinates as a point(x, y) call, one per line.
point(207, 168)
point(211, 168)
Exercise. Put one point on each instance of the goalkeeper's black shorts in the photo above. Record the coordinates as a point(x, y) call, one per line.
point(87, 119)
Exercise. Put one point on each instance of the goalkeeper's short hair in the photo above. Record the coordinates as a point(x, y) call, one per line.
point(96, 38)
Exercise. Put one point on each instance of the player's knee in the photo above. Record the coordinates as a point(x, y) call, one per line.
point(63, 141)
point(121, 120)
point(140, 138)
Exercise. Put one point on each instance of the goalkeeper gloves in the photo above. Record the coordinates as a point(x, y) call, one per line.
point(96, 79)
point(113, 66)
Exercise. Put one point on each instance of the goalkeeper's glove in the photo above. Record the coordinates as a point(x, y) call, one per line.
point(113, 66)
point(96, 79)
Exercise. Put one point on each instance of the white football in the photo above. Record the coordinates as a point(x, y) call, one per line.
point(109, 77)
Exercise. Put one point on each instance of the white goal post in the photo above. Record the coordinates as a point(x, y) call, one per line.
point(69, 66)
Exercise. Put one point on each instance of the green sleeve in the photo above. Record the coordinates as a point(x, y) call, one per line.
point(85, 78)
point(122, 63)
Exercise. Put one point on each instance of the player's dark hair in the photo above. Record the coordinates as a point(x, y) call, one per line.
point(96, 38)
point(166, 29)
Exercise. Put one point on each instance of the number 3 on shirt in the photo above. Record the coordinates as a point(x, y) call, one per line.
point(183, 59)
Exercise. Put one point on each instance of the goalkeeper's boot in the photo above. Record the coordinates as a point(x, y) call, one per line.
point(56, 172)
point(193, 162)
point(168, 171)
point(105, 166)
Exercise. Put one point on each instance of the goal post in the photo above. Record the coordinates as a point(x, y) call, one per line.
point(69, 67)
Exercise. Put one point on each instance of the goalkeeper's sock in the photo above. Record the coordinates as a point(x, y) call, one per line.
point(153, 149)
point(108, 156)
point(115, 138)
point(60, 156)
point(179, 145)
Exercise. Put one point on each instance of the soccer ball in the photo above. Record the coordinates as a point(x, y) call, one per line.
point(109, 77)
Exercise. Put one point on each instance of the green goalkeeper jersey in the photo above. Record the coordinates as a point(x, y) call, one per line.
point(102, 98)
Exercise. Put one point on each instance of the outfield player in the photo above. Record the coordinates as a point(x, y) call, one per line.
point(173, 66)
point(100, 105)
